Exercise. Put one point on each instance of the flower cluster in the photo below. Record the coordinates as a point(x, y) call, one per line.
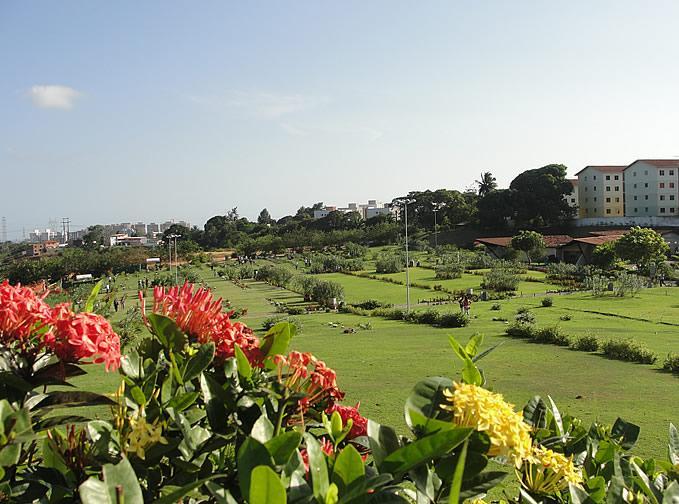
point(326, 447)
point(305, 374)
point(22, 313)
point(547, 472)
point(77, 336)
point(359, 423)
point(487, 412)
point(31, 326)
point(200, 316)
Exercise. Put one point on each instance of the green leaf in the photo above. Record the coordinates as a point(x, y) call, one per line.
point(458, 475)
point(244, 366)
point(480, 483)
point(266, 487)
point(199, 362)
point(674, 444)
point(383, 441)
point(131, 365)
point(138, 396)
point(426, 399)
point(120, 480)
point(424, 450)
point(276, 341)
point(183, 401)
point(283, 446)
point(167, 331)
point(66, 399)
point(458, 349)
point(177, 494)
point(252, 453)
point(627, 432)
point(348, 469)
point(471, 374)
point(262, 431)
point(216, 401)
point(558, 422)
point(579, 495)
point(92, 298)
point(318, 469)
point(535, 412)
point(58, 421)
point(671, 494)
point(472, 347)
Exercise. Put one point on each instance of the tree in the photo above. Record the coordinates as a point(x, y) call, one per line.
point(486, 184)
point(642, 246)
point(539, 196)
point(264, 217)
point(604, 255)
point(496, 208)
point(530, 242)
point(94, 237)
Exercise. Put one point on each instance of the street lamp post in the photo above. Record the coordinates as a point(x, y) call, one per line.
point(436, 239)
point(405, 205)
point(176, 260)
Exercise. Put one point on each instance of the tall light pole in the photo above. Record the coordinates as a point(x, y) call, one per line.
point(436, 239)
point(405, 206)
point(176, 256)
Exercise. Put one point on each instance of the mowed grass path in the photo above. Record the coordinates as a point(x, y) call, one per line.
point(380, 366)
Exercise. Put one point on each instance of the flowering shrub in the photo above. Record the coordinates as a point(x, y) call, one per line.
point(208, 412)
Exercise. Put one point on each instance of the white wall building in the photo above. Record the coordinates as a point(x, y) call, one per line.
point(601, 192)
point(652, 188)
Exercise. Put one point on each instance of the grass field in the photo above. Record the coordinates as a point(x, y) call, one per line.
point(379, 366)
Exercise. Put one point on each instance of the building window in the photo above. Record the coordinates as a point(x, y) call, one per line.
point(662, 185)
point(608, 177)
point(634, 173)
point(635, 210)
point(662, 210)
point(617, 188)
point(585, 189)
point(617, 200)
point(645, 172)
point(617, 177)
point(671, 172)
point(608, 210)
point(572, 200)
point(671, 197)
point(662, 172)
point(585, 179)
point(662, 197)
point(608, 188)
point(646, 209)
point(586, 200)
point(635, 198)
point(635, 186)
point(608, 200)
point(646, 196)
point(594, 177)
point(646, 184)
point(671, 185)
point(594, 199)
point(671, 209)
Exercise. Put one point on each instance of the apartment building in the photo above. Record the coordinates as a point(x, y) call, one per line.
point(652, 188)
point(601, 191)
point(572, 198)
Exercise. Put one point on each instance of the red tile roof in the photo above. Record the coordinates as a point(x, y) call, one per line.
point(604, 168)
point(659, 163)
point(505, 241)
point(597, 240)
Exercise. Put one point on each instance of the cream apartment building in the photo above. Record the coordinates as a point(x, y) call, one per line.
point(652, 188)
point(601, 191)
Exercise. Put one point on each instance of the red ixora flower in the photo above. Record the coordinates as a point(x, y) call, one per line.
point(77, 336)
point(326, 447)
point(304, 373)
point(22, 313)
point(359, 423)
point(200, 316)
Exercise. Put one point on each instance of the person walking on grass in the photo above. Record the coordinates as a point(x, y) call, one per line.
point(466, 305)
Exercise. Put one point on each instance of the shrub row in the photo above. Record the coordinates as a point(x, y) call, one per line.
point(671, 363)
point(627, 350)
point(428, 317)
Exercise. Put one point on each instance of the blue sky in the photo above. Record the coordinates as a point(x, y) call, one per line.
point(121, 111)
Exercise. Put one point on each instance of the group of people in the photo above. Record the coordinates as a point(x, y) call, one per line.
point(465, 301)
point(119, 303)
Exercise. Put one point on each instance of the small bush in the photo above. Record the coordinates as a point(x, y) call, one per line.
point(296, 310)
point(547, 302)
point(500, 279)
point(520, 330)
point(671, 363)
point(524, 316)
point(551, 335)
point(454, 319)
point(390, 313)
point(628, 350)
point(565, 317)
point(430, 317)
point(449, 271)
point(369, 304)
point(272, 321)
point(389, 263)
point(496, 307)
point(587, 343)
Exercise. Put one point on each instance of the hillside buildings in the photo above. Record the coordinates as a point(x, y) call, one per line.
point(644, 192)
point(367, 211)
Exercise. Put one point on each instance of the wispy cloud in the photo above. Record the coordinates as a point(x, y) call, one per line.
point(364, 133)
point(53, 96)
point(261, 105)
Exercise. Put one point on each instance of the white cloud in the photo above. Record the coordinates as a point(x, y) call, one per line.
point(53, 96)
point(267, 106)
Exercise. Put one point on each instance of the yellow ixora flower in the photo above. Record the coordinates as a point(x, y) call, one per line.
point(143, 435)
point(485, 411)
point(548, 472)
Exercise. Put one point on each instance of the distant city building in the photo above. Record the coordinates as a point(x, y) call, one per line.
point(601, 191)
point(366, 211)
point(652, 188)
point(139, 229)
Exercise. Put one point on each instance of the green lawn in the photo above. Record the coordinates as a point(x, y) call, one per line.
point(379, 366)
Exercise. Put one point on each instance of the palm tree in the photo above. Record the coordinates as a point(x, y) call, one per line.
point(486, 184)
